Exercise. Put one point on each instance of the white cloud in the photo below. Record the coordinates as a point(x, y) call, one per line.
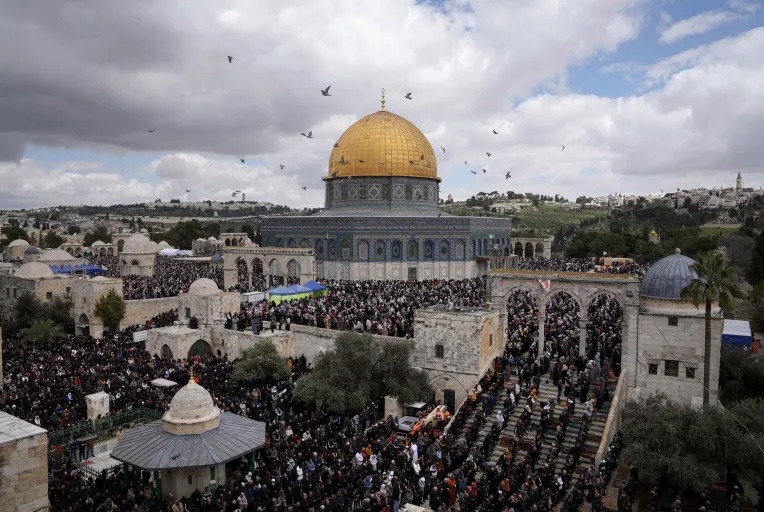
point(696, 25)
point(467, 69)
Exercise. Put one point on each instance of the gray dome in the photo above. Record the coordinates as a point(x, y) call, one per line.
point(32, 250)
point(668, 276)
point(216, 259)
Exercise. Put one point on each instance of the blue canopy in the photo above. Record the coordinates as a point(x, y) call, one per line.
point(300, 289)
point(281, 290)
point(314, 286)
point(736, 333)
point(82, 267)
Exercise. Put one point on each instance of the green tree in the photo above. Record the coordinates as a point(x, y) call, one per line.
point(14, 233)
point(52, 240)
point(73, 230)
point(716, 282)
point(42, 331)
point(741, 376)
point(756, 272)
point(111, 309)
point(29, 309)
point(261, 362)
point(360, 370)
point(249, 230)
point(692, 448)
point(99, 233)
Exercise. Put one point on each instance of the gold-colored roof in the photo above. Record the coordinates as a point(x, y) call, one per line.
point(383, 144)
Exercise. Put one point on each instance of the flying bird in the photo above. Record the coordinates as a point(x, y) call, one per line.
point(495, 132)
point(465, 162)
point(174, 457)
point(308, 135)
point(336, 144)
point(151, 131)
point(334, 175)
point(473, 172)
point(233, 195)
point(508, 175)
point(489, 154)
point(305, 188)
point(421, 157)
point(408, 96)
point(282, 166)
point(484, 171)
point(241, 160)
point(563, 148)
point(361, 161)
point(411, 162)
point(342, 160)
point(325, 92)
point(230, 59)
point(439, 214)
point(444, 149)
point(237, 191)
point(187, 191)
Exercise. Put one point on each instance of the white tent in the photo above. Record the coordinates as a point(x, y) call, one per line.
point(169, 251)
point(164, 383)
point(737, 333)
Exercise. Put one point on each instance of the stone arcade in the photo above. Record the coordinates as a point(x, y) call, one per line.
point(381, 218)
point(662, 337)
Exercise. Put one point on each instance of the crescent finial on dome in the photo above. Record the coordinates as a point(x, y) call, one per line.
point(383, 98)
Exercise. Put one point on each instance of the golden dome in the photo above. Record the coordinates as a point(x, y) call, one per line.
point(383, 144)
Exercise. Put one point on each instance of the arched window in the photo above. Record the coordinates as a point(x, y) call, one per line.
point(379, 250)
point(429, 250)
point(292, 243)
point(459, 250)
point(332, 250)
point(319, 248)
point(120, 245)
point(279, 242)
point(412, 250)
point(305, 243)
point(363, 250)
point(293, 269)
point(345, 247)
point(269, 242)
point(444, 252)
point(396, 250)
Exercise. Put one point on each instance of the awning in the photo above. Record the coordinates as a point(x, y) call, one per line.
point(297, 289)
point(150, 448)
point(164, 383)
point(314, 286)
point(736, 333)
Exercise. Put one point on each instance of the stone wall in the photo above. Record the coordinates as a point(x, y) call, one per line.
point(660, 341)
point(613, 423)
point(23, 466)
point(310, 341)
point(140, 311)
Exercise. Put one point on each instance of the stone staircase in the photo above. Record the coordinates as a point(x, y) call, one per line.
point(548, 392)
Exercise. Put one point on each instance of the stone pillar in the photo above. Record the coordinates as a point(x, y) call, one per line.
point(1, 356)
point(541, 338)
point(97, 404)
point(582, 337)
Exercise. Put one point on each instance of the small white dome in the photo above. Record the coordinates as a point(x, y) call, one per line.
point(97, 243)
point(163, 245)
point(155, 247)
point(192, 411)
point(20, 242)
point(203, 286)
point(144, 231)
point(200, 240)
point(34, 270)
point(32, 250)
point(137, 244)
point(56, 255)
point(212, 239)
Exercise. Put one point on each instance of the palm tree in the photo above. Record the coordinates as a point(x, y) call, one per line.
point(716, 283)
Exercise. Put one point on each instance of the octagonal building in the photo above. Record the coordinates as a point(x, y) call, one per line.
point(380, 217)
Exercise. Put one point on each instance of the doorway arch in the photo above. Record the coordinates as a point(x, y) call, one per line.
point(83, 325)
point(166, 352)
point(199, 348)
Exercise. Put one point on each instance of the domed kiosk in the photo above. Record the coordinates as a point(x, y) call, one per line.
point(138, 256)
point(670, 352)
point(189, 447)
point(381, 218)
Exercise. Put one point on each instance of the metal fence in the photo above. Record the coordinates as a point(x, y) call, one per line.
point(103, 428)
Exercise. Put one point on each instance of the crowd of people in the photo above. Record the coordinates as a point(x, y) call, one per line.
point(314, 460)
point(582, 265)
point(376, 307)
point(172, 275)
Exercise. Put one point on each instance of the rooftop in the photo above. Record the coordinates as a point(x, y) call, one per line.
point(13, 428)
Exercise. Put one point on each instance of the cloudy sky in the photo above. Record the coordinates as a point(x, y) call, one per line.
point(646, 95)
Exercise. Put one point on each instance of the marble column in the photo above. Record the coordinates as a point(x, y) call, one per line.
point(582, 337)
point(541, 338)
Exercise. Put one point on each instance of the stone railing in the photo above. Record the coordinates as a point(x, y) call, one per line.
point(613, 423)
